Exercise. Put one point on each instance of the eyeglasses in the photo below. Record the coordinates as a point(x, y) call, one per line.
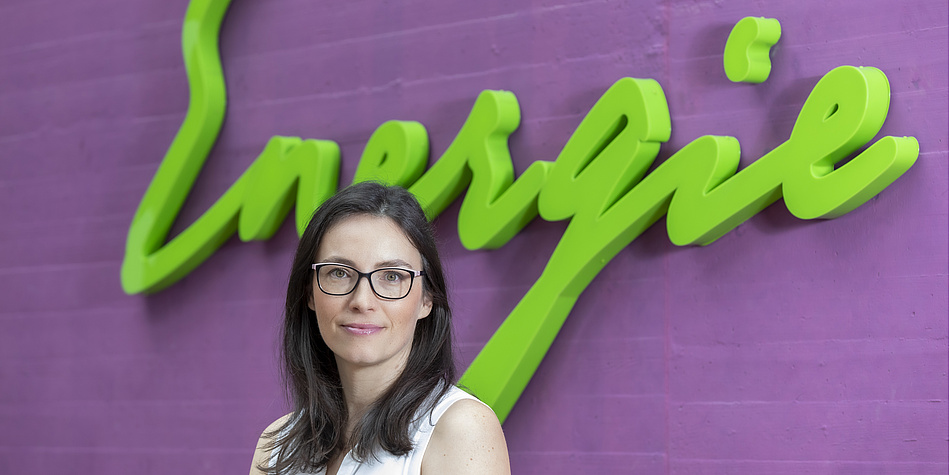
point(391, 283)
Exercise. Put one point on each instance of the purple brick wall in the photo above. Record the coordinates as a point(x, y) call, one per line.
point(785, 347)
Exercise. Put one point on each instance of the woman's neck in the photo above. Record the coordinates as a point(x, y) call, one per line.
point(363, 386)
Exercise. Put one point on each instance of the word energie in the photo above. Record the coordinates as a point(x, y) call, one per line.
point(597, 182)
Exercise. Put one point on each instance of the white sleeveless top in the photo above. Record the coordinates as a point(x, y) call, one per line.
point(411, 463)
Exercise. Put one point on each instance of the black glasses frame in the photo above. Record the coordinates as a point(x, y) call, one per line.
point(412, 277)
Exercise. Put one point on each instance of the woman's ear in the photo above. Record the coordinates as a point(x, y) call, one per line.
point(426, 307)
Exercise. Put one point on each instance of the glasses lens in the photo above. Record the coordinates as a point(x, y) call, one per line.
point(391, 283)
point(335, 279)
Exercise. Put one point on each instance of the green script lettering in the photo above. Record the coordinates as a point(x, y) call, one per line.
point(597, 181)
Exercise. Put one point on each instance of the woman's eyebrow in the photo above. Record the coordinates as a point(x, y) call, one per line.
point(339, 260)
point(393, 263)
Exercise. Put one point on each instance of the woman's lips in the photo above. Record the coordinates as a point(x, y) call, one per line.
point(362, 328)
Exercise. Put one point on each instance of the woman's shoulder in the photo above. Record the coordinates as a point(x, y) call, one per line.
point(264, 444)
point(280, 422)
point(467, 439)
point(467, 412)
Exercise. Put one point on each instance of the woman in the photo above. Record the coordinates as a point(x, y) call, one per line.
point(367, 351)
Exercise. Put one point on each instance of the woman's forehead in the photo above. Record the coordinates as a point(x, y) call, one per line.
point(368, 240)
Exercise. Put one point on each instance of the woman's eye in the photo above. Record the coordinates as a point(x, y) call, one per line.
point(338, 273)
point(392, 276)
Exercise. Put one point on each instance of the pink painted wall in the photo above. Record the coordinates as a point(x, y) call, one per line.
point(785, 347)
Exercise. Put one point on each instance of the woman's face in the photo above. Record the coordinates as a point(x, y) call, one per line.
point(360, 328)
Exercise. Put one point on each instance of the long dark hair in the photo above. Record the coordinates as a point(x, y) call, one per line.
point(315, 432)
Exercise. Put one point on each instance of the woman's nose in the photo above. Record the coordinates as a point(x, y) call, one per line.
point(363, 296)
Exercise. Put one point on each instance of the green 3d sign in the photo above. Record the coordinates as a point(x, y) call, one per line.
point(597, 182)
